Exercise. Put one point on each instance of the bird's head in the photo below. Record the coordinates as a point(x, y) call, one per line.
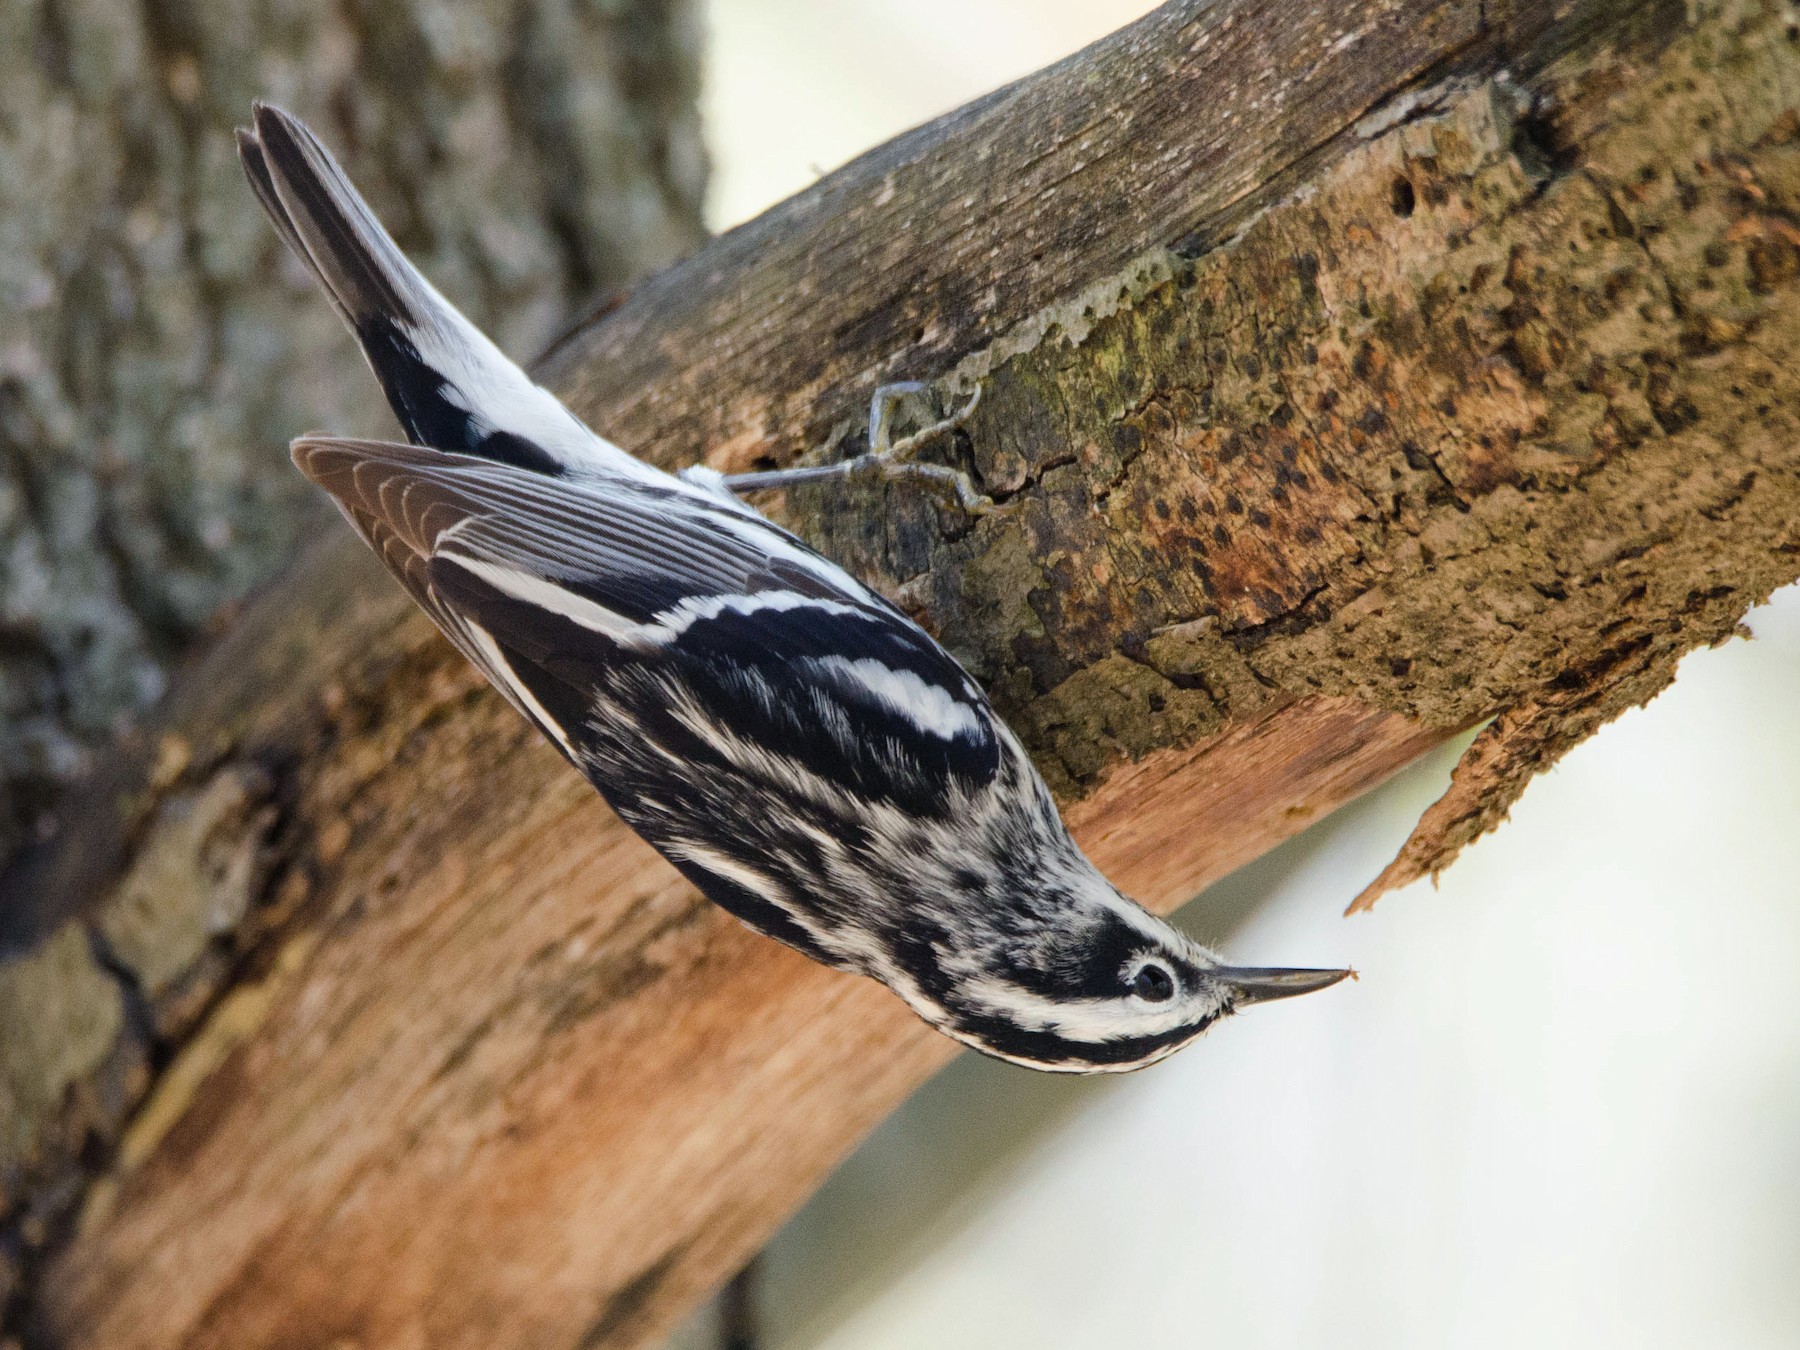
point(1105, 988)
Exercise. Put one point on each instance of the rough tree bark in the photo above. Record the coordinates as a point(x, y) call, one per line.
point(158, 347)
point(534, 153)
point(1359, 373)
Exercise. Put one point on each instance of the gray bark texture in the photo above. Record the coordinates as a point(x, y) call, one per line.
point(1355, 374)
point(157, 350)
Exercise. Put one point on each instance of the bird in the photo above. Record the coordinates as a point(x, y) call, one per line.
point(794, 744)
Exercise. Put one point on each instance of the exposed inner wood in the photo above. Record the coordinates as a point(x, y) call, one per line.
point(527, 1035)
point(1347, 395)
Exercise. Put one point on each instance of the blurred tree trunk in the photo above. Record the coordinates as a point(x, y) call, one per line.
point(1357, 373)
point(159, 349)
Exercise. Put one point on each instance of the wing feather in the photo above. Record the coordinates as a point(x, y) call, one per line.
point(593, 535)
point(574, 580)
point(638, 550)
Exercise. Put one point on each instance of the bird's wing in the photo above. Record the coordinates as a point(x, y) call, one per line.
point(546, 583)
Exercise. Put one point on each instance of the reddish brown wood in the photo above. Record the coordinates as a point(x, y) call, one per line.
point(1289, 510)
point(530, 1089)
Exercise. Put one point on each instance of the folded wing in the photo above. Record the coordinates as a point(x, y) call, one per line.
point(567, 594)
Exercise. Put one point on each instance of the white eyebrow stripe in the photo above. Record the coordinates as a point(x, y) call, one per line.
point(930, 707)
point(547, 595)
point(1091, 1021)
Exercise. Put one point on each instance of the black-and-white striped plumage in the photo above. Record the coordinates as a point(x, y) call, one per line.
point(808, 756)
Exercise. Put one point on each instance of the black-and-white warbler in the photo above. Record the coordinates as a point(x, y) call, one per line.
point(803, 752)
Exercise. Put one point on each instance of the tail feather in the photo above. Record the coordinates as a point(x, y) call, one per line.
point(355, 259)
point(256, 169)
point(451, 388)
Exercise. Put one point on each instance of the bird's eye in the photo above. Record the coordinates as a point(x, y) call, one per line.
point(1153, 984)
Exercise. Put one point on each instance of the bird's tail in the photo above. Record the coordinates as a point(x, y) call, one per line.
point(451, 388)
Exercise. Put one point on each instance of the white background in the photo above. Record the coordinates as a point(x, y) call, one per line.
point(1561, 1107)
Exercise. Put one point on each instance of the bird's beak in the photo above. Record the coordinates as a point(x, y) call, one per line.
point(1256, 984)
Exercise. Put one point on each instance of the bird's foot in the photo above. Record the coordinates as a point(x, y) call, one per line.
point(888, 460)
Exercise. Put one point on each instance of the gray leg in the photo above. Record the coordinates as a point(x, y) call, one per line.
point(881, 413)
point(887, 460)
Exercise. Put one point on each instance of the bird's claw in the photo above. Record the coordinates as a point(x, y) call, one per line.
point(888, 460)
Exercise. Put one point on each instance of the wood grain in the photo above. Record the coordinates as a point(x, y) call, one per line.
point(521, 1088)
point(1302, 482)
point(1172, 132)
point(1253, 787)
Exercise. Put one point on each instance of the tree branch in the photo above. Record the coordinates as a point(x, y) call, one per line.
point(1348, 393)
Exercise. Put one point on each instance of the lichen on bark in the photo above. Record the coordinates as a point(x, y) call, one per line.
point(1496, 415)
point(1459, 427)
point(159, 350)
